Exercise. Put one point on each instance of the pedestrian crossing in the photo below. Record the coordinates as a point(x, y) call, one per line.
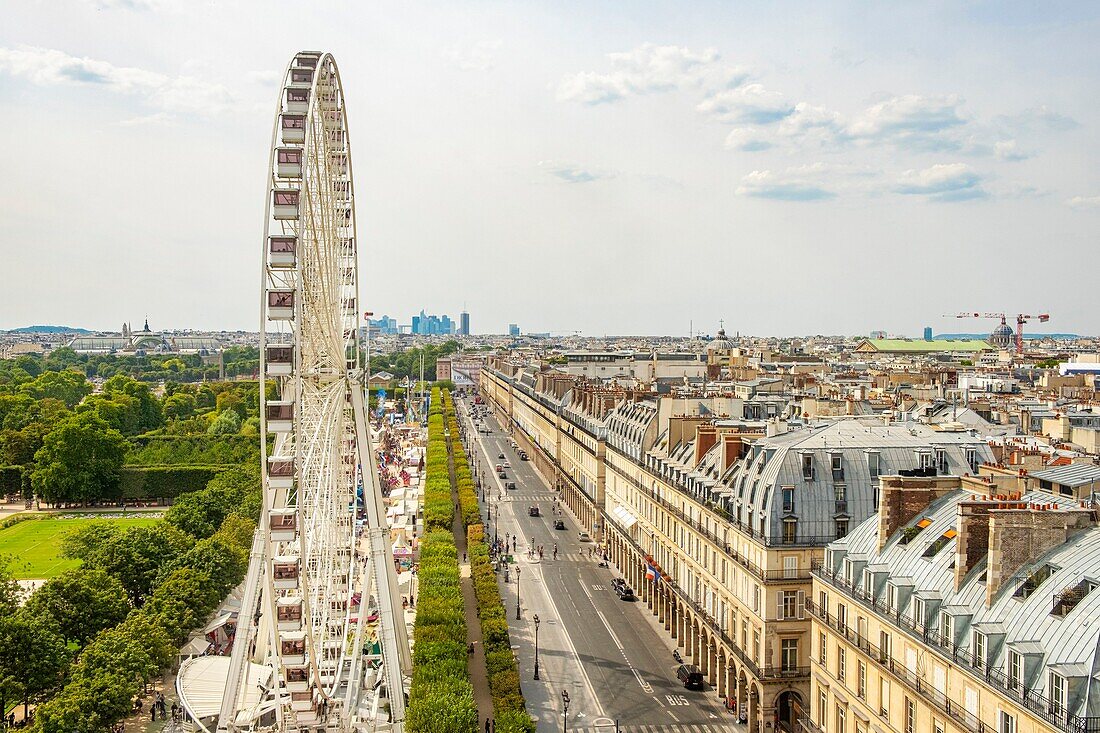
point(711, 727)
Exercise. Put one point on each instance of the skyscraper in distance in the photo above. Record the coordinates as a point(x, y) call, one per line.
point(463, 324)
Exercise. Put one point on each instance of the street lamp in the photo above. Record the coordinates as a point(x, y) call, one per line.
point(517, 593)
point(536, 646)
point(565, 715)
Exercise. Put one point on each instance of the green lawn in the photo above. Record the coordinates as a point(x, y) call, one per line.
point(35, 546)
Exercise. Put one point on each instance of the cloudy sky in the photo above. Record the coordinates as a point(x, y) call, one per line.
point(616, 167)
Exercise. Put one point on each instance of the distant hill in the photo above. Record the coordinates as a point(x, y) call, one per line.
point(1059, 336)
point(49, 329)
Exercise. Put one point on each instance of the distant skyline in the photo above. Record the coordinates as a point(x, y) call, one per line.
point(627, 168)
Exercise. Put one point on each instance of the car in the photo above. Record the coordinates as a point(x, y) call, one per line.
point(559, 524)
point(501, 456)
point(523, 455)
point(584, 537)
point(691, 676)
point(502, 474)
point(510, 485)
point(624, 591)
point(533, 511)
point(500, 467)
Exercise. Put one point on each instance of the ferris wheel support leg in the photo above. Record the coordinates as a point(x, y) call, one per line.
point(243, 645)
point(395, 643)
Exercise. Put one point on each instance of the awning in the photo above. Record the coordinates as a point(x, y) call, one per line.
point(624, 517)
point(201, 684)
point(217, 623)
point(195, 647)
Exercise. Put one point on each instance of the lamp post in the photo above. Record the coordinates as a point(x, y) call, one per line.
point(517, 592)
point(536, 646)
point(565, 715)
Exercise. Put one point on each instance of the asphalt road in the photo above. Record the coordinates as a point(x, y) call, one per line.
point(606, 653)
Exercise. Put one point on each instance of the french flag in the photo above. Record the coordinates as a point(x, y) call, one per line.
point(651, 573)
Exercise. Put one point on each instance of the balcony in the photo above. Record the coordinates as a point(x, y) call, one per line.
point(1032, 700)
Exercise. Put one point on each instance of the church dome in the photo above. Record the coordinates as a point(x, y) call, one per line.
point(721, 343)
point(1002, 336)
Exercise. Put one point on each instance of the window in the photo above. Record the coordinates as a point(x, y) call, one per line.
point(788, 604)
point(884, 645)
point(841, 528)
point(790, 566)
point(807, 467)
point(822, 656)
point(837, 464)
point(868, 582)
point(756, 644)
point(873, 463)
point(822, 706)
point(941, 461)
point(938, 726)
point(919, 612)
point(924, 460)
point(823, 602)
point(861, 680)
point(910, 716)
point(979, 649)
point(790, 531)
point(884, 697)
point(891, 596)
point(841, 663)
point(947, 627)
point(841, 714)
point(1006, 723)
point(842, 617)
point(788, 654)
point(1057, 685)
point(1015, 670)
point(788, 498)
point(972, 459)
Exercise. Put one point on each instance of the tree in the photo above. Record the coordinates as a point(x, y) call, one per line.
point(183, 601)
point(149, 415)
point(89, 538)
point(136, 555)
point(231, 400)
point(69, 386)
point(33, 658)
point(29, 364)
point(179, 406)
point(227, 423)
point(82, 602)
point(122, 412)
point(80, 460)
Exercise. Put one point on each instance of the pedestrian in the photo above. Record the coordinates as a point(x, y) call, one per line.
point(486, 725)
point(175, 710)
point(463, 557)
point(555, 551)
point(412, 600)
point(513, 544)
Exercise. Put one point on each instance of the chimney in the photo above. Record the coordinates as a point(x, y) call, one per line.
point(972, 542)
point(706, 435)
point(1019, 534)
point(903, 497)
point(731, 450)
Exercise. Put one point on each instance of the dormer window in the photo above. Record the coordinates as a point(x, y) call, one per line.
point(941, 461)
point(874, 461)
point(980, 653)
point(836, 463)
point(807, 466)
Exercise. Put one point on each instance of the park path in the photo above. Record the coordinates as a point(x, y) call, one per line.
point(479, 675)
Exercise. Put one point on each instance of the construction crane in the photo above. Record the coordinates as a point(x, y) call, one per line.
point(1021, 319)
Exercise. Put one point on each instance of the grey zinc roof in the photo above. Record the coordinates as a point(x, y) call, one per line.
point(1074, 475)
point(1069, 644)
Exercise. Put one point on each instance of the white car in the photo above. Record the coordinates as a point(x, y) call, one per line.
point(583, 537)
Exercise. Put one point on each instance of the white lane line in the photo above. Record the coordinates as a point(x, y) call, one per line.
point(673, 715)
point(658, 701)
point(646, 687)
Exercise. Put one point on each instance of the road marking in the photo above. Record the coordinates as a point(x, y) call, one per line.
point(646, 687)
point(673, 715)
point(658, 701)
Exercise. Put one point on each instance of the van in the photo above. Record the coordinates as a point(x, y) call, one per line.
point(690, 676)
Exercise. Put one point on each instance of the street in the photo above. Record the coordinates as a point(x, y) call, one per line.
point(607, 654)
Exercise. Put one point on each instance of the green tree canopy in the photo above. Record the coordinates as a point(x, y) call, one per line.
point(69, 386)
point(136, 555)
point(79, 461)
point(82, 602)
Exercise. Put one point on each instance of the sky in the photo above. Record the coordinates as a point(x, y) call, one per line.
point(604, 167)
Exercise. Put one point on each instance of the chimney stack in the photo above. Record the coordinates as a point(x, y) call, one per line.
point(902, 498)
point(1020, 534)
point(706, 435)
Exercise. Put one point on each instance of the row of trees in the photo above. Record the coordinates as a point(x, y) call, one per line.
point(63, 443)
point(441, 699)
point(237, 360)
point(509, 709)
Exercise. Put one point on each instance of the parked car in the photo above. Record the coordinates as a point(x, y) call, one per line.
point(583, 537)
point(510, 485)
point(559, 524)
point(502, 474)
point(501, 456)
point(500, 467)
point(691, 676)
point(523, 455)
point(533, 511)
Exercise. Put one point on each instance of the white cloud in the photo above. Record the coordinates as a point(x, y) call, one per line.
point(157, 118)
point(942, 182)
point(479, 57)
point(910, 118)
point(1084, 202)
point(573, 173)
point(136, 5)
point(649, 69)
point(747, 140)
point(808, 123)
point(50, 67)
point(1041, 117)
point(1009, 150)
point(801, 183)
point(751, 103)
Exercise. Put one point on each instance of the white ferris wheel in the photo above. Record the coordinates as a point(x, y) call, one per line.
point(321, 641)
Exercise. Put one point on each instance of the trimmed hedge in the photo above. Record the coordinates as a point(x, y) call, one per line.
point(509, 708)
point(441, 698)
point(165, 482)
